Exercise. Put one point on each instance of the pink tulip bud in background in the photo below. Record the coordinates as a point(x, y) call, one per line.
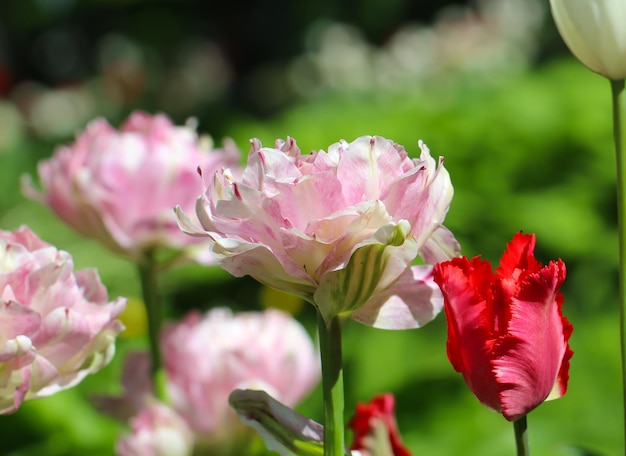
point(56, 325)
point(207, 357)
point(506, 331)
point(338, 228)
point(375, 429)
point(156, 430)
point(119, 186)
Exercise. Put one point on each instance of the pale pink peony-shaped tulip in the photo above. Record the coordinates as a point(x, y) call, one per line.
point(156, 430)
point(56, 325)
point(120, 186)
point(208, 357)
point(338, 228)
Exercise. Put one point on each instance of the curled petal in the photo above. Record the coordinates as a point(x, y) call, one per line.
point(241, 258)
point(440, 246)
point(413, 300)
point(283, 430)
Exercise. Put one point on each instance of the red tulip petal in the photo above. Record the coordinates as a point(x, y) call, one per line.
point(379, 412)
point(467, 292)
point(528, 363)
point(518, 256)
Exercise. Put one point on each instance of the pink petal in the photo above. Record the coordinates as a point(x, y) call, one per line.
point(440, 246)
point(367, 167)
point(61, 332)
point(410, 302)
point(16, 319)
point(241, 258)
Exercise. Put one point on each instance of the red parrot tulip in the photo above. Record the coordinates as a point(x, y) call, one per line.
point(506, 331)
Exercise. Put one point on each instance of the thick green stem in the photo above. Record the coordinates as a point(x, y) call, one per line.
point(521, 436)
point(332, 385)
point(148, 274)
point(619, 101)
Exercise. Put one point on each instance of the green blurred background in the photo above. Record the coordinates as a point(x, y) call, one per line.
point(525, 131)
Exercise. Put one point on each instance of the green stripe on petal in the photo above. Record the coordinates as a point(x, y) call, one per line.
point(373, 266)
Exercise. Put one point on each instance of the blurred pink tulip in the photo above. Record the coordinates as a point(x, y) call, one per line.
point(156, 430)
point(338, 228)
point(120, 186)
point(207, 357)
point(56, 325)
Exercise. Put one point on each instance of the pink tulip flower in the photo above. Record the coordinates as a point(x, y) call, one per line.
point(156, 430)
point(338, 228)
point(375, 429)
point(207, 357)
point(56, 325)
point(119, 187)
point(506, 331)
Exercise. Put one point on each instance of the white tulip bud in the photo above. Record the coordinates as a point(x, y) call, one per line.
point(595, 32)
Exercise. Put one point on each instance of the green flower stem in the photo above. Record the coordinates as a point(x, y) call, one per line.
point(332, 385)
point(521, 436)
point(148, 273)
point(619, 102)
